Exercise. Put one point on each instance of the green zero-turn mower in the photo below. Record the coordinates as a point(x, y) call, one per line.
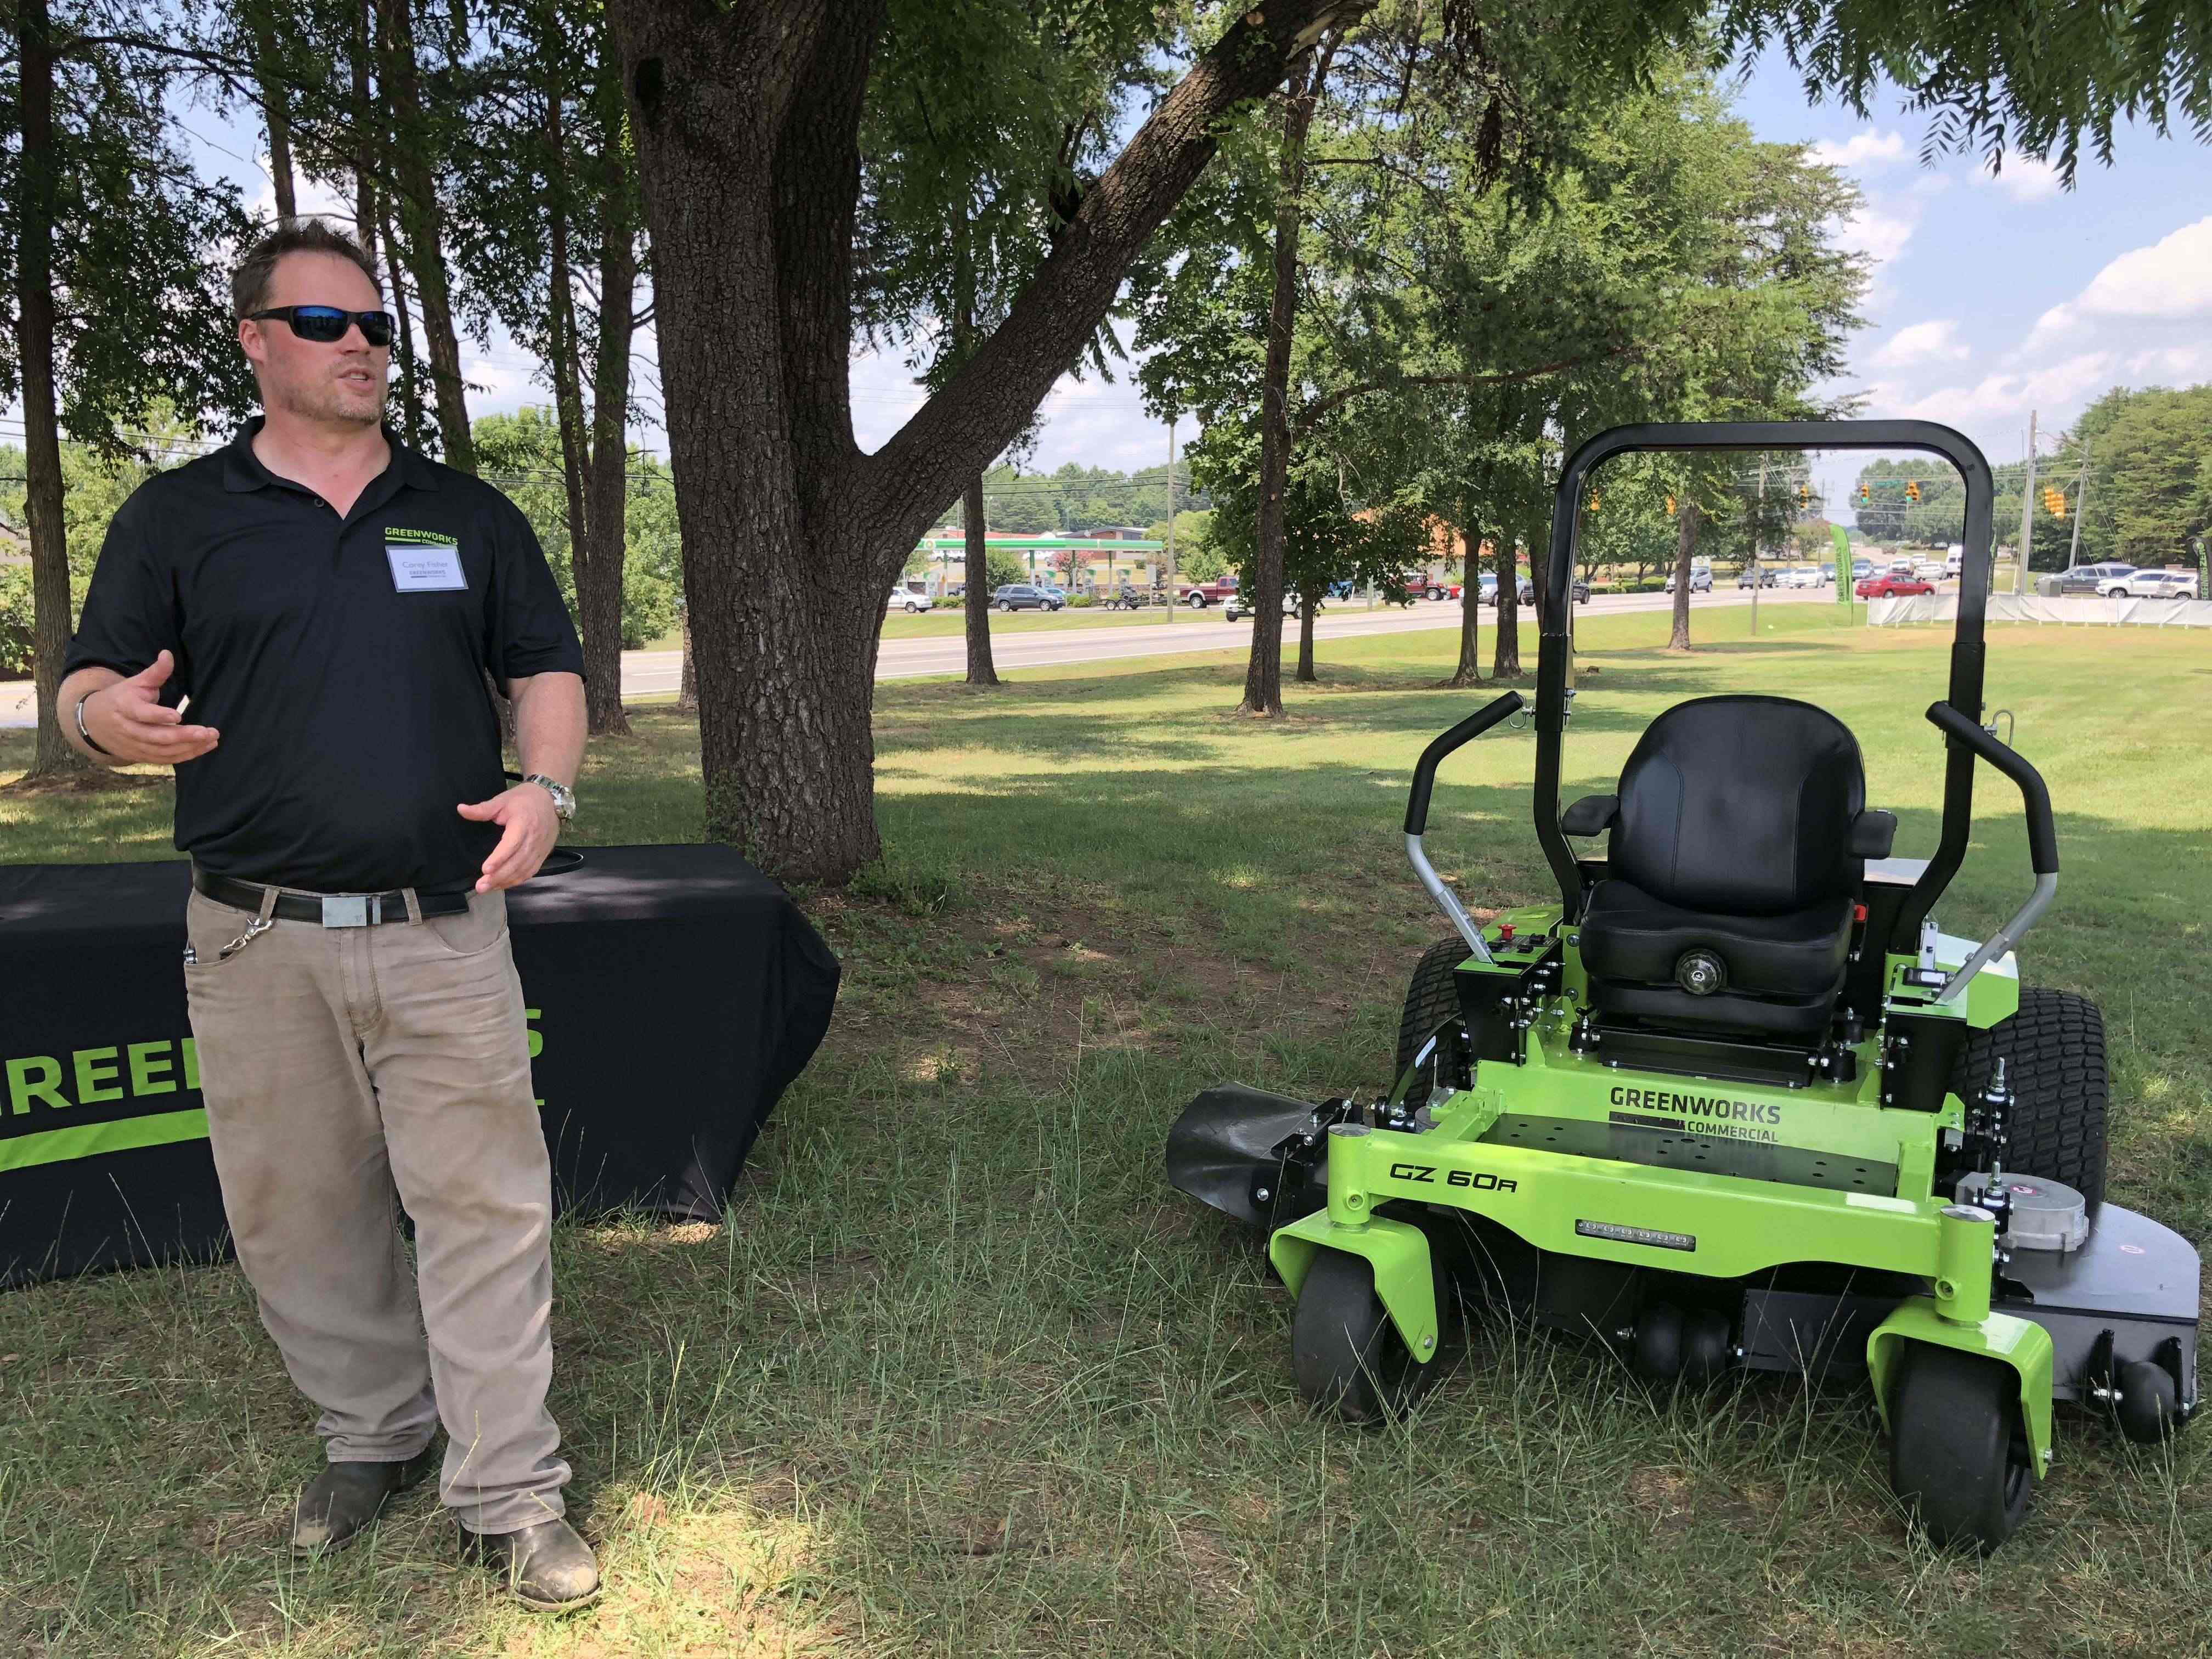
point(1734, 1103)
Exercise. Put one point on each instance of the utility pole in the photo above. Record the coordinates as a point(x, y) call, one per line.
point(1172, 607)
point(2080, 500)
point(2026, 511)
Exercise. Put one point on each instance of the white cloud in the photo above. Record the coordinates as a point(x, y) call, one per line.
point(2172, 278)
point(1871, 147)
point(2171, 363)
point(1880, 235)
point(1932, 342)
point(1995, 396)
point(2024, 179)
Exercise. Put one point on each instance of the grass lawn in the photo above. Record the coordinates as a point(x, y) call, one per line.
point(962, 1376)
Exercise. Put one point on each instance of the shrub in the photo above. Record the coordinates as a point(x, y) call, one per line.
point(1082, 601)
point(16, 635)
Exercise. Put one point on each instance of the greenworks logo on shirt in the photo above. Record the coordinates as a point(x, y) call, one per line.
point(422, 538)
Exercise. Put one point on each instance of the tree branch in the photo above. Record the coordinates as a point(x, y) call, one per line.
point(996, 390)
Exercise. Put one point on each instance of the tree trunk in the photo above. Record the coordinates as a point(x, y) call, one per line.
point(421, 228)
point(277, 116)
point(361, 48)
point(1305, 638)
point(1469, 672)
point(42, 450)
point(1263, 675)
point(410, 394)
point(1505, 654)
point(599, 581)
point(747, 124)
point(1686, 545)
point(976, 609)
point(562, 348)
point(974, 524)
point(687, 682)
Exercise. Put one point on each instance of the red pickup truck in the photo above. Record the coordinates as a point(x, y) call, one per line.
point(1198, 595)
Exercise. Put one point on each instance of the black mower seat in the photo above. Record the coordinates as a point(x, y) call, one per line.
point(1738, 841)
point(1628, 934)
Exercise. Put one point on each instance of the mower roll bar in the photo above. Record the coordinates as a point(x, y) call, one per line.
point(2042, 838)
point(1965, 695)
point(1417, 812)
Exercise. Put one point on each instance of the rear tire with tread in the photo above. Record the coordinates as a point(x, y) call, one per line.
point(2054, 1054)
point(1431, 998)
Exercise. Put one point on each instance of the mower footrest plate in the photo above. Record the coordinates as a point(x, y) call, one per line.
point(1667, 1148)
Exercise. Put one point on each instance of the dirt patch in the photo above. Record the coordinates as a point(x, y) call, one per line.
point(98, 782)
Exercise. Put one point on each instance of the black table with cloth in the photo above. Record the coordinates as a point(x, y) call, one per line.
point(675, 991)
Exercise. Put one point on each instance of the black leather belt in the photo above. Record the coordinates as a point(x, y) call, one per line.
point(328, 910)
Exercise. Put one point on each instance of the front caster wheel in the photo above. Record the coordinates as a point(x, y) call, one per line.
point(1349, 1356)
point(1958, 1451)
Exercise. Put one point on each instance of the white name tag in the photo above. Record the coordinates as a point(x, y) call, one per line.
point(417, 568)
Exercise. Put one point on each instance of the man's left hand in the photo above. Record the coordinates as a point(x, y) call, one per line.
point(526, 813)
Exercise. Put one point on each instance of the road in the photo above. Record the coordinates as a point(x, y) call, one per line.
point(655, 673)
point(648, 673)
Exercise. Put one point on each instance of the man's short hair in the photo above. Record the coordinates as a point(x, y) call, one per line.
point(249, 283)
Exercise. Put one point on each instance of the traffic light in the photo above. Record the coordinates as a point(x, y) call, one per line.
point(1804, 496)
point(1670, 507)
point(1592, 505)
point(1912, 489)
point(2054, 502)
point(1865, 495)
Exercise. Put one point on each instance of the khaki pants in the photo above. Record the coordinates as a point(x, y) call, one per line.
point(340, 1065)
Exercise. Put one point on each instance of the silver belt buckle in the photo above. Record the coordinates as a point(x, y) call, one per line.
point(346, 910)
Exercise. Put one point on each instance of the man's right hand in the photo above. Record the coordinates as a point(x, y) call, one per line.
point(130, 721)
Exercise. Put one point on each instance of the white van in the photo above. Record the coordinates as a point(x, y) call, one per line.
point(1955, 560)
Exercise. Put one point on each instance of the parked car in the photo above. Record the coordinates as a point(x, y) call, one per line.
point(913, 604)
point(2163, 584)
point(1756, 576)
point(1891, 584)
point(1860, 569)
point(1827, 577)
point(2098, 579)
point(1803, 575)
point(1055, 591)
point(1024, 596)
point(1701, 580)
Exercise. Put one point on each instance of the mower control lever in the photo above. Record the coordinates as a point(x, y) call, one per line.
point(1417, 814)
point(1424, 773)
point(2042, 837)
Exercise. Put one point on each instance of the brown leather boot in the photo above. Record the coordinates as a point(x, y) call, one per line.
point(549, 1568)
point(345, 1497)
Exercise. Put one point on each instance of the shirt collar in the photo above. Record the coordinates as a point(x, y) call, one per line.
point(242, 472)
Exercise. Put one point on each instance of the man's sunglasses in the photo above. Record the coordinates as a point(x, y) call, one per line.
point(327, 325)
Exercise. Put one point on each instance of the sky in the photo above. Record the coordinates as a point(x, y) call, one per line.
point(1992, 294)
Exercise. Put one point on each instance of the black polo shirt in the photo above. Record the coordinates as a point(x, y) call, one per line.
point(340, 659)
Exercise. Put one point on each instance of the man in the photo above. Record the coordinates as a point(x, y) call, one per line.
point(326, 604)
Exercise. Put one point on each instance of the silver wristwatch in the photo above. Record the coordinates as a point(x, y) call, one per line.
point(564, 797)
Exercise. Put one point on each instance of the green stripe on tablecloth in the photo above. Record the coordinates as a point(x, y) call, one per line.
point(91, 1140)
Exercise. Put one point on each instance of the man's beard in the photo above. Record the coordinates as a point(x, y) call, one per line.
point(328, 400)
